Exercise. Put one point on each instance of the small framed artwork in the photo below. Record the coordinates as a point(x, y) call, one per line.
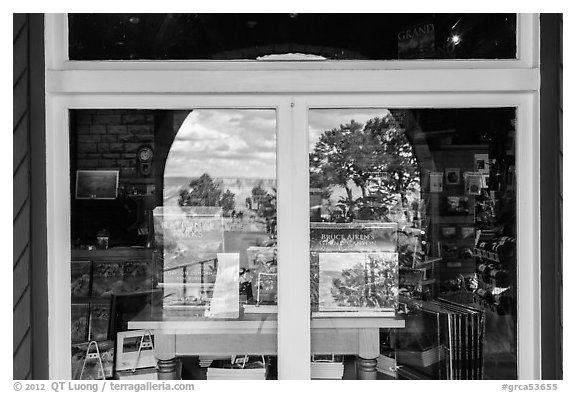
point(448, 232)
point(436, 181)
point(457, 205)
point(99, 319)
point(81, 274)
point(452, 176)
point(79, 322)
point(473, 184)
point(134, 350)
point(482, 163)
point(467, 232)
point(96, 184)
point(107, 278)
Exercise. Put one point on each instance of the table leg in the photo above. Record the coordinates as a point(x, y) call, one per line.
point(167, 369)
point(368, 352)
point(366, 369)
point(165, 352)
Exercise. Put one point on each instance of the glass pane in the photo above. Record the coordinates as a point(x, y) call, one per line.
point(174, 229)
point(291, 36)
point(413, 243)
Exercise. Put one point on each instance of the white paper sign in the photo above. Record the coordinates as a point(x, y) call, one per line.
point(226, 298)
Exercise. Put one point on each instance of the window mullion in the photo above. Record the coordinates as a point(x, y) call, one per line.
point(293, 245)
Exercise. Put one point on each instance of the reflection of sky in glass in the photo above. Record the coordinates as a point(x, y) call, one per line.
point(225, 143)
point(320, 120)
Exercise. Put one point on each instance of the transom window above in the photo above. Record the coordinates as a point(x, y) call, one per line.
point(291, 36)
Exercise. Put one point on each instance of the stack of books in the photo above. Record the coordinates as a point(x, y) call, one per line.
point(457, 348)
point(421, 358)
point(386, 365)
point(238, 369)
point(253, 374)
point(327, 369)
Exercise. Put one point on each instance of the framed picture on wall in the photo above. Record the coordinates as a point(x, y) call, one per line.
point(452, 176)
point(436, 182)
point(96, 184)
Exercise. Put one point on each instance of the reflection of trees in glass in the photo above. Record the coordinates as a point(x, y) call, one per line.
point(259, 197)
point(264, 202)
point(371, 285)
point(227, 202)
point(376, 157)
point(205, 191)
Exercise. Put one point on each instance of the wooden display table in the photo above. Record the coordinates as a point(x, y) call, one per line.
point(257, 334)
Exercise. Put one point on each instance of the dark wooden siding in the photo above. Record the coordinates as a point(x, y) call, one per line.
point(551, 157)
point(22, 336)
point(30, 292)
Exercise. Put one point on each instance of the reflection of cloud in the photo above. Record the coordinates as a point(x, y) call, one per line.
point(320, 120)
point(225, 143)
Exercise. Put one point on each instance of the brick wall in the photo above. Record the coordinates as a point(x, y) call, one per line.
point(110, 139)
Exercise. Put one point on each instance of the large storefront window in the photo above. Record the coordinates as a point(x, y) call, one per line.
point(412, 243)
point(293, 220)
point(413, 213)
point(174, 227)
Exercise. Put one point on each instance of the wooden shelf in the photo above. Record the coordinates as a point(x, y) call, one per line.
point(250, 323)
point(112, 253)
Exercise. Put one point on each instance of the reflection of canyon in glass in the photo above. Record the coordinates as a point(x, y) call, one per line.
point(221, 167)
point(226, 158)
point(217, 225)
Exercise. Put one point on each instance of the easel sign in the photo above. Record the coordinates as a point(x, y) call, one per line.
point(134, 350)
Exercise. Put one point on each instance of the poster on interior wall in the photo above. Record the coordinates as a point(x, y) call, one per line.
point(360, 282)
point(473, 183)
point(96, 184)
point(191, 238)
point(417, 42)
point(482, 163)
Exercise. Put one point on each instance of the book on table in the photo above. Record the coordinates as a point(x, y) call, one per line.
point(356, 267)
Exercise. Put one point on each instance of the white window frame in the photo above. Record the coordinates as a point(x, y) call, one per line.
point(292, 89)
point(57, 56)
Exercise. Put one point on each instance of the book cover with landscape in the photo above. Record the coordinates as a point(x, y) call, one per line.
point(353, 248)
point(358, 281)
point(355, 236)
point(191, 238)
